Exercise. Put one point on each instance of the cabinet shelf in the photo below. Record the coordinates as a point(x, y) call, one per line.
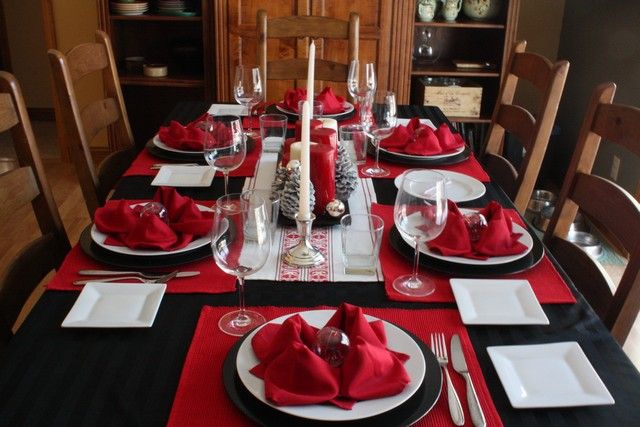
point(156, 18)
point(171, 80)
point(461, 24)
point(450, 71)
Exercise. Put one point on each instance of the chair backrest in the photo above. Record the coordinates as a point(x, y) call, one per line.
point(316, 27)
point(531, 130)
point(82, 123)
point(25, 185)
point(614, 211)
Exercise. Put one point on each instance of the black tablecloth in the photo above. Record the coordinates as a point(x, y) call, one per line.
point(55, 376)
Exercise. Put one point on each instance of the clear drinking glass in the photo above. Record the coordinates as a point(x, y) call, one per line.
point(386, 120)
point(420, 213)
point(362, 87)
point(240, 241)
point(224, 145)
point(248, 91)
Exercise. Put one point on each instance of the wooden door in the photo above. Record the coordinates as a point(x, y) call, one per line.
point(236, 38)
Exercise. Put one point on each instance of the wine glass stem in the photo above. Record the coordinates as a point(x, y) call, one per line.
point(241, 305)
point(376, 141)
point(416, 259)
point(250, 115)
point(226, 182)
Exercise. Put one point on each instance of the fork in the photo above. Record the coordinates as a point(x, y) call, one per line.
point(159, 279)
point(439, 348)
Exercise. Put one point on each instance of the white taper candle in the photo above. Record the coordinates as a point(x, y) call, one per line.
point(304, 212)
point(311, 71)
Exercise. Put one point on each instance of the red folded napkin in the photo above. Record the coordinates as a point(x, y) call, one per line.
point(497, 239)
point(188, 138)
point(331, 103)
point(292, 97)
point(294, 375)
point(126, 227)
point(419, 139)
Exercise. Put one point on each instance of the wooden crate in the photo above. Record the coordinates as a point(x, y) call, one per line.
point(460, 100)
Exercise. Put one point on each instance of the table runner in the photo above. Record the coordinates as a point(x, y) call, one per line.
point(545, 280)
point(326, 239)
point(143, 162)
point(470, 167)
point(201, 398)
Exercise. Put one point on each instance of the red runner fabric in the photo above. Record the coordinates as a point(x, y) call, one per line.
point(470, 167)
point(545, 280)
point(143, 162)
point(201, 399)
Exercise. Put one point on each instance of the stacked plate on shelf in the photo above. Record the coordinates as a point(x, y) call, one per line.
point(129, 8)
point(170, 7)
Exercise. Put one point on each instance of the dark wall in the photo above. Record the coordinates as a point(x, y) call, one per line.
point(601, 39)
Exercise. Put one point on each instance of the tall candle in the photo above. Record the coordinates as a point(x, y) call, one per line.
point(311, 71)
point(304, 212)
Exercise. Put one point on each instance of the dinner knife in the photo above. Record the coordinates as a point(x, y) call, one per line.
point(460, 365)
point(128, 273)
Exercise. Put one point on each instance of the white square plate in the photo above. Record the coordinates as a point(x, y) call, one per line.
point(497, 302)
point(184, 176)
point(548, 376)
point(109, 305)
point(227, 109)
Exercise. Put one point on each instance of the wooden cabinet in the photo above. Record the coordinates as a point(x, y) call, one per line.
point(235, 23)
point(465, 40)
point(183, 43)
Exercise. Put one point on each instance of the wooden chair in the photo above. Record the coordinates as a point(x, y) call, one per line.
point(531, 131)
point(305, 26)
point(83, 123)
point(26, 184)
point(608, 206)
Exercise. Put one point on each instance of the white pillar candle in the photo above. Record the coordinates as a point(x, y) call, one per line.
point(304, 212)
point(311, 71)
point(329, 123)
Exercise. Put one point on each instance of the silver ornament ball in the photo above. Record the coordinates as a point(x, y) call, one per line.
point(335, 208)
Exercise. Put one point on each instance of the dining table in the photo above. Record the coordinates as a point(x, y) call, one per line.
point(178, 371)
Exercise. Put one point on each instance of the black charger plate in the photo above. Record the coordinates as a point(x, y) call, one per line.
point(100, 254)
point(391, 157)
point(466, 270)
point(404, 415)
point(293, 117)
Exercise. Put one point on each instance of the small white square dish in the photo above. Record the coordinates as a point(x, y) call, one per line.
point(497, 302)
point(184, 176)
point(548, 376)
point(115, 305)
point(227, 109)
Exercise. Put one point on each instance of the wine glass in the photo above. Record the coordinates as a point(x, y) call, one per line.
point(362, 87)
point(224, 145)
point(240, 241)
point(385, 123)
point(248, 92)
point(420, 213)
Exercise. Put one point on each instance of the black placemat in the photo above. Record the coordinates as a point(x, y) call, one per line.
point(467, 270)
point(405, 414)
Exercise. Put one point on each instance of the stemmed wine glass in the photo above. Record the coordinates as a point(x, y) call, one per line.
point(240, 241)
point(362, 87)
point(248, 91)
point(420, 213)
point(386, 120)
point(224, 145)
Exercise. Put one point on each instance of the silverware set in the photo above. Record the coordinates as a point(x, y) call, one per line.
point(115, 276)
point(439, 348)
point(159, 165)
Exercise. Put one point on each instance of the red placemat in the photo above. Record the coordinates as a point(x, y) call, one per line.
point(143, 162)
point(545, 280)
point(211, 279)
point(201, 398)
point(470, 167)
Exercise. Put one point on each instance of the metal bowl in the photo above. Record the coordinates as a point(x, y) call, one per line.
point(542, 220)
point(587, 242)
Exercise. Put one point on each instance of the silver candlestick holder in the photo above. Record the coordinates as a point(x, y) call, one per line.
point(303, 254)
